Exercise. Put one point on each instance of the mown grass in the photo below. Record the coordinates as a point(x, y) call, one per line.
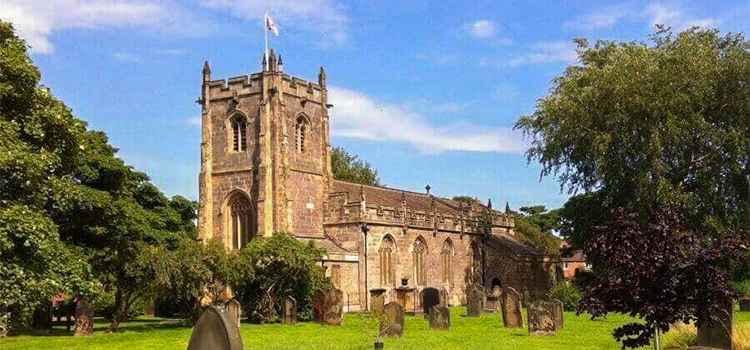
point(487, 332)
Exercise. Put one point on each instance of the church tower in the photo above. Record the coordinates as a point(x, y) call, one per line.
point(265, 155)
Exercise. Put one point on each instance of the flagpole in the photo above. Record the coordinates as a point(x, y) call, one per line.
point(265, 32)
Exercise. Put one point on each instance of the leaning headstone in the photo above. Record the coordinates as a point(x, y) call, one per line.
point(474, 302)
point(234, 308)
point(440, 317)
point(84, 318)
point(444, 301)
point(745, 304)
point(541, 318)
point(215, 330)
point(328, 307)
point(42, 319)
point(430, 298)
point(392, 321)
point(492, 303)
point(290, 310)
point(377, 297)
point(511, 308)
point(718, 335)
point(559, 315)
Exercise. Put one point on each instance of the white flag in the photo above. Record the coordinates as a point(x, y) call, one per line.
point(271, 26)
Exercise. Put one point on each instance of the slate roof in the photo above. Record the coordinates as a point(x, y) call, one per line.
point(514, 245)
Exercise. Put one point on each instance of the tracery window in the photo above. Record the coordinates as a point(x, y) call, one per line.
point(238, 221)
point(475, 263)
point(239, 134)
point(420, 252)
point(386, 261)
point(300, 134)
point(447, 257)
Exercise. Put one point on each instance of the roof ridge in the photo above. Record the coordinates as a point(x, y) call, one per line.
point(388, 188)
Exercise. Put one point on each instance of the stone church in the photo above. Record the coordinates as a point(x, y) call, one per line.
point(266, 167)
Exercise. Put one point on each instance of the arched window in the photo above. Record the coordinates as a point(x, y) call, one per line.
point(300, 133)
point(239, 134)
point(475, 263)
point(239, 226)
point(447, 256)
point(420, 252)
point(386, 261)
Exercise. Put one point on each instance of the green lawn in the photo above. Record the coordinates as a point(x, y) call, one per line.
point(486, 332)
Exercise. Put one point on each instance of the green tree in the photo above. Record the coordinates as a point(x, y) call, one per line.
point(547, 220)
point(71, 213)
point(39, 143)
point(645, 124)
point(348, 167)
point(271, 268)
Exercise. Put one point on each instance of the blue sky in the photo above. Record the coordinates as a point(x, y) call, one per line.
point(426, 91)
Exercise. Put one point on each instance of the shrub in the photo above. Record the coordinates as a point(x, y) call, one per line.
point(271, 268)
point(569, 295)
point(105, 306)
point(742, 288)
point(685, 336)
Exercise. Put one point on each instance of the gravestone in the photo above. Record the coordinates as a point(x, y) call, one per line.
point(440, 317)
point(42, 319)
point(745, 304)
point(392, 321)
point(719, 334)
point(377, 297)
point(444, 298)
point(511, 308)
point(328, 307)
point(290, 310)
point(215, 330)
point(541, 318)
point(84, 318)
point(474, 302)
point(234, 309)
point(559, 315)
point(430, 298)
point(319, 306)
point(492, 303)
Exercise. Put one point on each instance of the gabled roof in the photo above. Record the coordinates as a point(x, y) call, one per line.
point(514, 245)
point(391, 197)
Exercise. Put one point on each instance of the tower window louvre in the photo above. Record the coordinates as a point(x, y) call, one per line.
point(239, 134)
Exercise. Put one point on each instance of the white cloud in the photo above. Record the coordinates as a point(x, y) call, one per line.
point(605, 18)
point(675, 16)
point(323, 16)
point(547, 52)
point(170, 52)
point(126, 57)
point(36, 21)
point(481, 29)
point(357, 115)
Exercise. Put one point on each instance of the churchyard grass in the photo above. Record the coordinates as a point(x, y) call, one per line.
point(487, 332)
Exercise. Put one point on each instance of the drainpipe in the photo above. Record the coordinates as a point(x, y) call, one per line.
point(365, 229)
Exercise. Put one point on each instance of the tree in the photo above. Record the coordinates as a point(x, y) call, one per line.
point(658, 271)
point(271, 268)
point(72, 214)
point(648, 124)
point(348, 167)
point(547, 220)
point(39, 142)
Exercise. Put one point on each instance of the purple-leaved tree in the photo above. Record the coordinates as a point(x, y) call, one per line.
point(658, 271)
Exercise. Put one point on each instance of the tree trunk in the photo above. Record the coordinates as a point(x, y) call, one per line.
point(122, 304)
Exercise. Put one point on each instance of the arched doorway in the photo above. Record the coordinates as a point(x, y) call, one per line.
point(239, 227)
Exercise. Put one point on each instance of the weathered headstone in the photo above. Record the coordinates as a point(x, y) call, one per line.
point(440, 317)
point(234, 308)
point(745, 304)
point(559, 315)
point(719, 334)
point(541, 318)
point(377, 298)
point(215, 330)
point(319, 306)
point(474, 301)
point(430, 298)
point(392, 321)
point(511, 308)
point(42, 319)
point(444, 297)
point(84, 318)
point(290, 310)
point(492, 303)
point(328, 307)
